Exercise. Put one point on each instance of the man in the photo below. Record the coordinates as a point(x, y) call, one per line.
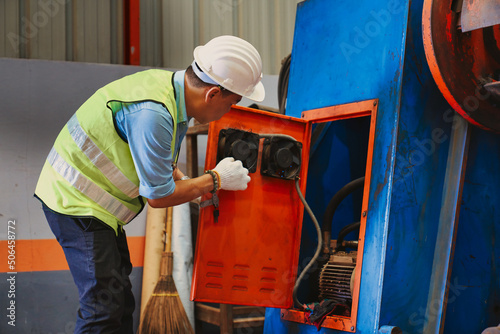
point(121, 146)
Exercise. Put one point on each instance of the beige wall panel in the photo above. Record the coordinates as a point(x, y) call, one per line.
point(10, 25)
point(258, 28)
point(31, 30)
point(4, 40)
point(216, 18)
point(58, 16)
point(178, 33)
point(275, 33)
point(268, 25)
point(169, 29)
point(147, 32)
point(78, 30)
point(42, 18)
point(119, 32)
point(151, 34)
point(92, 40)
point(287, 26)
point(103, 32)
point(90, 31)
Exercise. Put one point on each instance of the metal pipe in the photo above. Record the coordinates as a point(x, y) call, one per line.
point(344, 232)
point(389, 330)
point(132, 32)
point(448, 220)
point(350, 244)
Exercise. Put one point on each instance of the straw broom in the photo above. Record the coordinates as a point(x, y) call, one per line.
point(164, 312)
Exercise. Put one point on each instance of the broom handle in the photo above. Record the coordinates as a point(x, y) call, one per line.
point(153, 248)
point(168, 230)
point(167, 257)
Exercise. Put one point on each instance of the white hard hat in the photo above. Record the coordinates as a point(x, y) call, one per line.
point(232, 63)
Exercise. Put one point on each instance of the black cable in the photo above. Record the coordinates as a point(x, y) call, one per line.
point(337, 199)
point(318, 248)
point(283, 83)
point(344, 232)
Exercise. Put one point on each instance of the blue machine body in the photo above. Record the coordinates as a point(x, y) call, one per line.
point(349, 51)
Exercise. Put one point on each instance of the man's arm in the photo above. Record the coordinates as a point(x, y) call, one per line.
point(148, 129)
point(230, 173)
point(185, 191)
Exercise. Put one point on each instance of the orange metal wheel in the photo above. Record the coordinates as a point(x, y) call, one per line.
point(465, 65)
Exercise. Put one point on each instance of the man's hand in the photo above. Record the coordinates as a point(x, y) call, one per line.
point(233, 176)
point(177, 174)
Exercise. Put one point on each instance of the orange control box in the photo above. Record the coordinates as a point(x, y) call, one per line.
point(249, 254)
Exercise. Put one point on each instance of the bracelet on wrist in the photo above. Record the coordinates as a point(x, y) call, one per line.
point(216, 179)
point(219, 184)
point(185, 177)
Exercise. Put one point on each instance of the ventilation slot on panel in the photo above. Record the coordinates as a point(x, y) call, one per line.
point(215, 264)
point(241, 267)
point(268, 280)
point(213, 286)
point(216, 275)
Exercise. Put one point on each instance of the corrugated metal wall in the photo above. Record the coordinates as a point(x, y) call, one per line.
point(62, 30)
point(92, 30)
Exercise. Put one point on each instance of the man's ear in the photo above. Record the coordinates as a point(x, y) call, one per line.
point(211, 93)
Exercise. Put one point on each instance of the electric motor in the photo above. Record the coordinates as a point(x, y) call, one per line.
point(336, 280)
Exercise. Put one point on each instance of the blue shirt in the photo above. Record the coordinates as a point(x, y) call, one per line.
point(148, 128)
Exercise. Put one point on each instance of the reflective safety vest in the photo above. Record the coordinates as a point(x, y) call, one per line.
point(90, 171)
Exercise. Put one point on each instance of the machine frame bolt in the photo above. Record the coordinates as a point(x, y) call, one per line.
point(364, 213)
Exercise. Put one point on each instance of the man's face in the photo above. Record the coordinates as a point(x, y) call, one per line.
point(219, 105)
point(227, 101)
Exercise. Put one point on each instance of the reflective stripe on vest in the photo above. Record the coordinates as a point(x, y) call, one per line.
point(89, 188)
point(100, 160)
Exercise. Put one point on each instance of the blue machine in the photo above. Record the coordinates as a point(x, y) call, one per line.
point(430, 260)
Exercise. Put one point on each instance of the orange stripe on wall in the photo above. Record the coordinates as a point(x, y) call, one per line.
point(47, 254)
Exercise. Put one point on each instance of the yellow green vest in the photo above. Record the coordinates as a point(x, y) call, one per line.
point(90, 171)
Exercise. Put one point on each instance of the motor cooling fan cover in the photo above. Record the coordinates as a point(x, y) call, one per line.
point(241, 145)
point(337, 277)
point(281, 158)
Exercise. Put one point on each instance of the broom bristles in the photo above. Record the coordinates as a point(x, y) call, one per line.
point(164, 312)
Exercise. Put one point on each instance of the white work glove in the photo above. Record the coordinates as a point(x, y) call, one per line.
point(233, 176)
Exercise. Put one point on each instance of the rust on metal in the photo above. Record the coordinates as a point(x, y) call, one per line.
point(479, 14)
point(462, 63)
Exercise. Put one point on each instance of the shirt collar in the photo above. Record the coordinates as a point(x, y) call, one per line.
point(179, 96)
